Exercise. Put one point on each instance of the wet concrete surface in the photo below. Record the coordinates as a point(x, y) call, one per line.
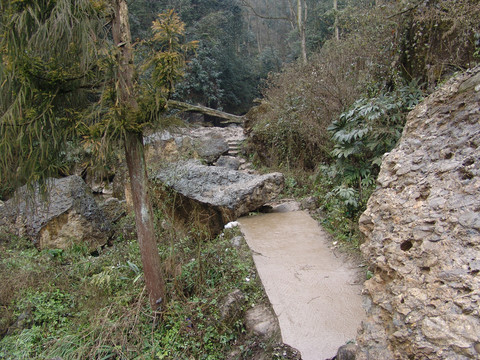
point(312, 290)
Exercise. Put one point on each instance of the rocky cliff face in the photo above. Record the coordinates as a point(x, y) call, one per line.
point(423, 234)
point(67, 214)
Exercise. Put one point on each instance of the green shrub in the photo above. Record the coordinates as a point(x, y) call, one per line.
point(361, 136)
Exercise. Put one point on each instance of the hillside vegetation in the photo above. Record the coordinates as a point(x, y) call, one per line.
point(339, 86)
point(328, 122)
point(69, 304)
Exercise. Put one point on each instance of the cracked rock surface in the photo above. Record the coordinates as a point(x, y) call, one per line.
point(66, 214)
point(214, 195)
point(423, 234)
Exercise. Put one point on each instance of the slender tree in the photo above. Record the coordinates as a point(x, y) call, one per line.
point(335, 9)
point(301, 20)
point(297, 16)
point(135, 158)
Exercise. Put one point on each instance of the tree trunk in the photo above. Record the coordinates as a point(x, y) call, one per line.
point(144, 219)
point(134, 154)
point(335, 8)
point(301, 18)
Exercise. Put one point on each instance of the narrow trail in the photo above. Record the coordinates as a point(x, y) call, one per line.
point(312, 291)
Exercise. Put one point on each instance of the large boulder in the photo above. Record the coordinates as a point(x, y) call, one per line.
point(66, 214)
point(203, 143)
point(212, 196)
point(422, 228)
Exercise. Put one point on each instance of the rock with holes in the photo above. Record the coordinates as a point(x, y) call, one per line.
point(67, 214)
point(211, 196)
point(422, 226)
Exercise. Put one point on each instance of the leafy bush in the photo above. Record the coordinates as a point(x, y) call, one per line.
point(438, 38)
point(361, 135)
point(289, 128)
point(371, 127)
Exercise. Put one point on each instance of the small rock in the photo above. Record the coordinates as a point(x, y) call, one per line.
point(231, 306)
point(114, 209)
point(229, 162)
point(210, 148)
point(23, 321)
point(309, 203)
point(232, 224)
point(347, 352)
point(237, 241)
point(284, 351)
point(262, 322)
point(235, 354)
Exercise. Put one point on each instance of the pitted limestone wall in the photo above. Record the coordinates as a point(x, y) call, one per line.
point(423, 234)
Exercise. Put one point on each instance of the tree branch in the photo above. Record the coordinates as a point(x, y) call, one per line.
point(405, 11)
point(257, 14)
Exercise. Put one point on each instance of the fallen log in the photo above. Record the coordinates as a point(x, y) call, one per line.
point(228, 118)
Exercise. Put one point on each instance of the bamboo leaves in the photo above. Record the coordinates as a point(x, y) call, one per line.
point(49, 56)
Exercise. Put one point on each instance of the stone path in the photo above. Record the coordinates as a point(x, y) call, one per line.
point(311, 289)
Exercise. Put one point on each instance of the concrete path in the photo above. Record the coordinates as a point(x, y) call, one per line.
point(311, 289)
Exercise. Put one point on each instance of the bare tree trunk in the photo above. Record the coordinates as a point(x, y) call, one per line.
point(135, 157)
point(301, 18)
point(335, 8)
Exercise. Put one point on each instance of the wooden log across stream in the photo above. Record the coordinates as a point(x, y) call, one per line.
point(228, 118)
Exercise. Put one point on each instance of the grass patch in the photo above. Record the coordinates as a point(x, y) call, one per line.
point(72, 305)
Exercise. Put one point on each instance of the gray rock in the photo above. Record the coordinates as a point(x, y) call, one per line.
point(211, 148)
point(237, 241)
point(24, 320)
point(285, 351)
point(347, 352)
point(228, 162)
point(231, 306)
point(422, 229)
point(261, 321)
point(213, 196)
point(66, 214)
point(204, 143)
point(309, 203)
point(114, 209)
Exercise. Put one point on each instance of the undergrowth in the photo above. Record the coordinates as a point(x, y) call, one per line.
point(70, 304)
point(359, 137)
